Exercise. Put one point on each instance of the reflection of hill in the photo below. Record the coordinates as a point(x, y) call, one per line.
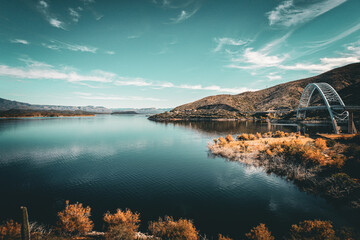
point(230, 127)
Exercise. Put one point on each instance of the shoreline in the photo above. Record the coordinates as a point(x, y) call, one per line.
point(313, 166)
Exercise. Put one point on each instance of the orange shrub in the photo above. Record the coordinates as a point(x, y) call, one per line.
point(306, 153)
point(268, 152)
point(229, 138)
point(122, 217)
point(222, 141)
point(279, 134)
point(75, 219)
point(320, 144)
point(260, 232)
point(313, 229)
point(221, 237)
point(258, 135)
point(170, 229)
point(252, 137)
point(243, 136)
point(10, 230)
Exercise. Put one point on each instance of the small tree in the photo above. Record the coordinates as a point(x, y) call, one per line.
point(10, 230)
point(320, 144)
point(170, 229)
point(122, 224)
point(229, 138)
point(260, 232)
point(312, 230)
point(75, 219)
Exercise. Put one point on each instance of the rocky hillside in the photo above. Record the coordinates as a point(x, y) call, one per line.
point(346, 80)
point(286, 96)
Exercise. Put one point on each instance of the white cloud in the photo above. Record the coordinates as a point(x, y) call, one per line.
point(288, 13)
point(273, 76)
point(227, 41)
point(183, 16)
point(320, 44)
point(43, 7)
point(39, 70)
point(21, 41)
point(325, 64)
point(110, 52)
point(140, 82)
point(82, 93)
point(74, 15)
point(56, 23)
point(57, 45)
point(275, 43)
point(121, 98)
point(256, 59)
point(354, 48)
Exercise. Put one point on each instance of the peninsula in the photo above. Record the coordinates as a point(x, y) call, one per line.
point(281, 99)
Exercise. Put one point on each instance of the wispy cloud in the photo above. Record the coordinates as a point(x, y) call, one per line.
point(339, 36)
point(325, 64)
point(291, 12)
point(174, 4)
point(110, 52)
point(227, 41)
point(121, 98)
point(57, 45)
point(354, 48)
point(251, 59)
point(274, 76)
point(184, 14)
point(39, 70)
point(75, 15)
point(43, 7)
point(21, 41)
point(125, 81)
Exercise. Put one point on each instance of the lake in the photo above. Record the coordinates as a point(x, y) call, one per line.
point(156, 169)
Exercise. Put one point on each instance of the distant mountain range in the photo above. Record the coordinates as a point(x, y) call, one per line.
point(6, 105)
point(286, 96)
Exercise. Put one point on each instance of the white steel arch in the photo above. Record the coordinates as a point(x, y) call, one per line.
point(331, 99)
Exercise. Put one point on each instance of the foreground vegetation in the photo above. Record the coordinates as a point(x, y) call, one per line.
point(74, 223)
point(330, 168)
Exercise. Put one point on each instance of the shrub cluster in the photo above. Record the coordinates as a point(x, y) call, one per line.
point(170, 229)
point(306, 153)
point(121, 224)
point(75, 220)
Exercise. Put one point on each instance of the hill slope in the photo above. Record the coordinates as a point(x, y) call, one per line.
point(286, 96)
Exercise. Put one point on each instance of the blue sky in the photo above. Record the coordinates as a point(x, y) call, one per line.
point(163, 53)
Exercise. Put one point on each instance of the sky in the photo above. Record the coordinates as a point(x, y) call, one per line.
point(164, 53)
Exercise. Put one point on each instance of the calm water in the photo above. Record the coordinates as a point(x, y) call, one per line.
point(157, 169)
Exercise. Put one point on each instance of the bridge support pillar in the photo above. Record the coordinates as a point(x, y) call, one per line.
point(351, 125)
point(335, 126)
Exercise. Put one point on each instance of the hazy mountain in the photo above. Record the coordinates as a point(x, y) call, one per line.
point(8, 104)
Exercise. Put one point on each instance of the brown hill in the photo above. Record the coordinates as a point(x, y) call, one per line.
point(286, 96)
point(346, 80)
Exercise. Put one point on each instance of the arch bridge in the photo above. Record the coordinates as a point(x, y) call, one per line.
point(333, 104)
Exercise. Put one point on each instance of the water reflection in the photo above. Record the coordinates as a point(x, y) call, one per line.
point(231, 127)
point(236, 127)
